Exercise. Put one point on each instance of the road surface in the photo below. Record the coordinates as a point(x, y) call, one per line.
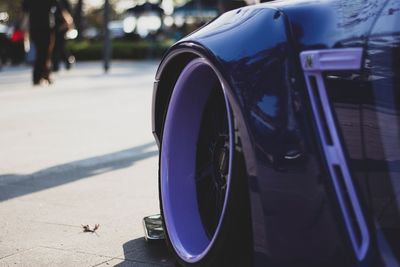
point(74, 153)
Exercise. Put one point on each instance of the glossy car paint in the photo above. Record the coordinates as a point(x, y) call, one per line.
point(295, 216)
point(366, 109)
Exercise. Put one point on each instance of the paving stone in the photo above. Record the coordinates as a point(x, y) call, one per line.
point(79, 152)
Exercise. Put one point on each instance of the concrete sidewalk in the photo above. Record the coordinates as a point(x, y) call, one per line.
point(78, 152)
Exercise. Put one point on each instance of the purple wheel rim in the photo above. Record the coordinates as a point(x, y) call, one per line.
point(178, 161)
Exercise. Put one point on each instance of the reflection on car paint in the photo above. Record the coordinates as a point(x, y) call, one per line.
point(295, 215)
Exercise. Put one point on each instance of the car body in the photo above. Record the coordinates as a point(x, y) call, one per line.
point(305, 150)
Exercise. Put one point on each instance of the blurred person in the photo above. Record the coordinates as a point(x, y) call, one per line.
point(63, 23)
point(17, 48)
point(42, 34)
point(4, 45)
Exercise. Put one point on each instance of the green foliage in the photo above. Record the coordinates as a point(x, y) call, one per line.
point(86, 50)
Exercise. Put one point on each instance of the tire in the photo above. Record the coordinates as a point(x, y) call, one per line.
point(203, 184)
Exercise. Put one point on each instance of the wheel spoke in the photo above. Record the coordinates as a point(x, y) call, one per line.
point(204, 172)
point(210, 173)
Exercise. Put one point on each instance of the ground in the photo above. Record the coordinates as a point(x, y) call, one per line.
point(74, 153)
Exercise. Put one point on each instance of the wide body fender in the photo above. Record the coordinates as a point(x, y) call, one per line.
point(255, 53)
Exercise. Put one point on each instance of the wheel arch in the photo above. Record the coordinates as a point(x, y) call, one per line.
point(167, 75)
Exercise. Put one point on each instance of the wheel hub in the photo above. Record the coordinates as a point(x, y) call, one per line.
point(221, 161)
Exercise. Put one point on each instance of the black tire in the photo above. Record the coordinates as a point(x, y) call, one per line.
point(200, 130)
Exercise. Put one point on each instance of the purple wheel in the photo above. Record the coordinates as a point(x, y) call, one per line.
point(196, 164)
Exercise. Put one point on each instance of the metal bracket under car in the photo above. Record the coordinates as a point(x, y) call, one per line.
point(153, 228)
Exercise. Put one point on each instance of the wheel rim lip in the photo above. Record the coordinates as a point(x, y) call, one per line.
point(201, 245)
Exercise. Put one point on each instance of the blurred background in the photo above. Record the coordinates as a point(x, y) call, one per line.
point(137, 29)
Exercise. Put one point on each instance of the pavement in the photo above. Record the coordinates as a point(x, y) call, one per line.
point(74, 153)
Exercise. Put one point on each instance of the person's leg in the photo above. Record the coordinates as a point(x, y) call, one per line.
point(20, 52)
point(49, 51)
point(44, 43)
point(40, 57)
point(44, 46)
point(57, 53)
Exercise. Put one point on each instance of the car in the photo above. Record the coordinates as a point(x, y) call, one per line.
point(279, 136)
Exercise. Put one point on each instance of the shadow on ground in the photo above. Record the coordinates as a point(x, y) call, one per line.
point(15, 185)
point(138, 252)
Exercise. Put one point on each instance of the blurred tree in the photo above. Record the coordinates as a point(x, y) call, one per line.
point(12, 7)
point(88, 15)
point(94, 16)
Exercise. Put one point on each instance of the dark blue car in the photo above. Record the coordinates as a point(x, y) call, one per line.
point(279, 133)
